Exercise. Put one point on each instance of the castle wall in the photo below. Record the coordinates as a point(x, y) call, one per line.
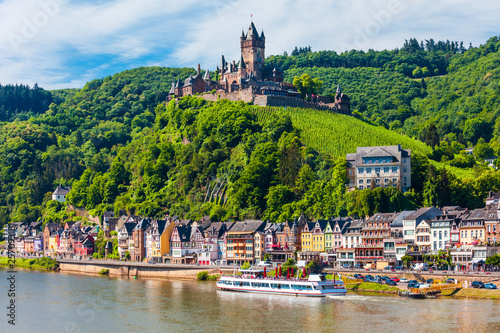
point(244, 95)
point(267, 100)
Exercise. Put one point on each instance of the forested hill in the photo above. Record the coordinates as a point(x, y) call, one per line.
point(410, 88)
point(119, 145)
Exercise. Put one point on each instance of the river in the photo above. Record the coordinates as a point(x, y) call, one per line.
point(61, 302)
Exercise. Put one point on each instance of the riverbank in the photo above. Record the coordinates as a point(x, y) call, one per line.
point(373, 287)
point(35, 263)
point(473, 293)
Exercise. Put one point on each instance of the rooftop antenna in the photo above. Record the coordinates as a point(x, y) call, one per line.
point(251, 17)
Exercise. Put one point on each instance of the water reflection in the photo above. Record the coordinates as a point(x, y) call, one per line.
point(65, 302)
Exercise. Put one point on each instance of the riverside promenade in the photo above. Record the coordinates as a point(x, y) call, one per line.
point(137, 269)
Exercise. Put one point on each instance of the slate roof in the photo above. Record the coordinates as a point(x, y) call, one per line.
point(378, 151)
point(129, 226)
point(398, 220)
point(248, 226)
point(143, 224)
point(477, 214)
point(62, 190)
point(53, 227)
point(184, 232)
point(424, 213)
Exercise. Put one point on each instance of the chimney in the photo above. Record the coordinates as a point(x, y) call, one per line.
point(199, 69)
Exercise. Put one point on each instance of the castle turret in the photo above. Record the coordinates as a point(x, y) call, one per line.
point(342, 101)
point(253, 51)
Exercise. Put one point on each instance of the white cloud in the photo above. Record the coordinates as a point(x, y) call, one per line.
point(61, 43)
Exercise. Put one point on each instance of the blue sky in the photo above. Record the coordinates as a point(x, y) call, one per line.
point(66, 43)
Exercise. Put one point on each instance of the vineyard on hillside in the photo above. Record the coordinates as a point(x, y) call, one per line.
point(338, 134)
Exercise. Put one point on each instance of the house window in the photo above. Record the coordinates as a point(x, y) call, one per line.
point(361, 170)
point(404, 170)
point(394, 169)
point(377, 181)
point(361, 182)
point(386, 180)
point(386, 169)
point(361, 187)
point(488, 228)
point(368, 170)
point(377, 170)
point(350, 172)
point(404, 179)
point(368, 186)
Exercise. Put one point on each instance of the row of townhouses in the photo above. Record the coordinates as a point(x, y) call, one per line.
point(71, 239)
point(384, 238)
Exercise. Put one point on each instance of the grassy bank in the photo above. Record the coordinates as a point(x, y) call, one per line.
point(38, 263)
point(473, 293)
point(373, 287)
point(204, 275)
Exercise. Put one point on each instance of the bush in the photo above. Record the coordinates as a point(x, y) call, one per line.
point(202, 276)
point(246, 265)
point(104, 271)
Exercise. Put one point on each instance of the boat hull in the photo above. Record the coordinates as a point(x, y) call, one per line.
point(341, 292)
point(282, 287)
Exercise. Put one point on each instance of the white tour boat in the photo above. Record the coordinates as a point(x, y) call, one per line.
point(253, 280)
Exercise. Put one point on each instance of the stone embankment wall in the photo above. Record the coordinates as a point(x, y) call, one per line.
point(140, 270)
point(422, 276)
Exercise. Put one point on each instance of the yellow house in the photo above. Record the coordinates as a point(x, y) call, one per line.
point(472, 229)
point(161, 233)
point(306, 237)
point(165, 238)
point(318, 236)
point(53, 244)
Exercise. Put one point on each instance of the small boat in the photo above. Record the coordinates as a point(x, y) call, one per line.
point(253, 280)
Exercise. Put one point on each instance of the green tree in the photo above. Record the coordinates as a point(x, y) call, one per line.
point(306, 85)
point(407, 260)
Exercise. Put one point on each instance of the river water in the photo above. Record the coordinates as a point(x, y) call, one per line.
point(60, 302)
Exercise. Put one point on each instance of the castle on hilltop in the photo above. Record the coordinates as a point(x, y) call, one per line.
point(248, 81)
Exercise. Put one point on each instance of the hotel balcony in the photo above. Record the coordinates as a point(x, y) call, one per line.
point(370, 246)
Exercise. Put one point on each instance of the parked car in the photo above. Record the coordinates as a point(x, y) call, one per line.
point(450, 281)
point(429, 281)
point(368, 277)
point(388, 268)
point(477, 284)
point(403, 280)
point(358, 266)
point(395, 279)
point(423, 285)
point(398, 268)
point(413, 281)
point(490, 286)
point(413, 285)
point(151, 262)
point(384, 278)
point(358, 276)
point(390, 283)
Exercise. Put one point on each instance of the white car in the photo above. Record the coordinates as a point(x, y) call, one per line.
point(403, 280)
point(423, 285)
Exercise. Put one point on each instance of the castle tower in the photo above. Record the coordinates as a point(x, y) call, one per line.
point(342, 101)
point(253, 51)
